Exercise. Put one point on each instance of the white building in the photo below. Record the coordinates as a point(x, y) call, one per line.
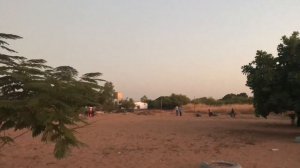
point(141, 105)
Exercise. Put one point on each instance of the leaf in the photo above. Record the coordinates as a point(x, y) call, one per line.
point(3, 43)
point(9, 36)
point(92, 75)
point(8, 49)
point(7, 125)
point(7, 60)
point(60, 149)
point(65, 73)
point(88, 80)
point(37, 61)
point(37, 130)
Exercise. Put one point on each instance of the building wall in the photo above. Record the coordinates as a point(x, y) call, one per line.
point(141, 105)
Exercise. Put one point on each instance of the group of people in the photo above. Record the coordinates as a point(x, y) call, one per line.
point(178, 110)
point(232, 113)
point(211, 114)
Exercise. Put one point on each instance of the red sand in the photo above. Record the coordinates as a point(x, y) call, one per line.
point(163, 140)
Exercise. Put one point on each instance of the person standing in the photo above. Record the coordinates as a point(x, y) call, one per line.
point(177, 110)
point(91, 112)
point(210, 113)
point(232, 113)
point(180, 110)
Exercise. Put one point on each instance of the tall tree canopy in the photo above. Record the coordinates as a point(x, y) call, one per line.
point(169, 102)
point(275, 81)
point(144, 99)
point(107, 97)
point(43, 99)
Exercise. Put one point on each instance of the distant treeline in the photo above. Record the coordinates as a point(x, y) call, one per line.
point(170, 102)
point(231, 98)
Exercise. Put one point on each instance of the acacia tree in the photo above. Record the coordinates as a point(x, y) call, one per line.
point(275, 81)
point(42, 99)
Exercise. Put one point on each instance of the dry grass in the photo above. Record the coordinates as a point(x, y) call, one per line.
point(238, 108)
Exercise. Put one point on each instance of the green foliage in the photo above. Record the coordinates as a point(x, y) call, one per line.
point(144, 99)
point(169, 102)
point(241, 98)
point(207, 101)
point(179, 99)
point(127, 104)
point(65, 73)
point(43, 99)
point(260, 78)
point(107, 96)
point(275, 81)
point(4, 44)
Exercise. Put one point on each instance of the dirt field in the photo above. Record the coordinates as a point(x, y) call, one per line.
point(163, 140)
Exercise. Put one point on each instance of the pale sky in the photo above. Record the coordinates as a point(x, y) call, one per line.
point(152, 47)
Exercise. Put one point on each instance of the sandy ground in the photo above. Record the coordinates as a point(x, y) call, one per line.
point(163, 140)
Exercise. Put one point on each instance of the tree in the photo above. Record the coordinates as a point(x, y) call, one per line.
point(107, 96)
point(260, 79)
point(275, 81)
point(179, 99)
point(169, 102)
point(127, 104)
point(207, 101)
point(242, 95)
point(144, 99)
point(4, 44)
point(241, 98)
point(43, 99)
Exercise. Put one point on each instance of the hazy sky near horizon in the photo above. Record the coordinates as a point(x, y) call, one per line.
point(153, 48)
